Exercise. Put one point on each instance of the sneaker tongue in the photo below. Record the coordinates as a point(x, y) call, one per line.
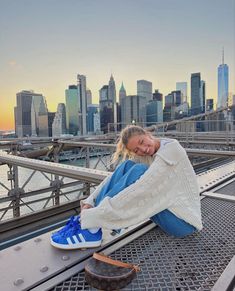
point(73, 227)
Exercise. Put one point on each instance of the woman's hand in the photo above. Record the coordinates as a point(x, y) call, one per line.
point(86, 206)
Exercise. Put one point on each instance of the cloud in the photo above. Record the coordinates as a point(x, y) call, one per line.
point(12, 63)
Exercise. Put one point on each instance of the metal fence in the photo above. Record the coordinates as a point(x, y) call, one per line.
point(29, 185)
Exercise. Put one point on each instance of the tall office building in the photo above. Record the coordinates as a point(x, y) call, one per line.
point(108, 106)
point(169, 109)
point(177, 97)
point(173, 99)
point(133, 110)
point(195, 93)
point(112, 90)
point(203, 96)
point(223, 75)
point(144, 89)
point(183, 87)
point(81, 79)
point(22, 111)
point(73, 107)
point(59, 122)
point(38, 107)
point(97, 123)
point(122, 95)
point(88, 97)
point(93, 123)
point(154, 112)
point(173, 105)
point(112, 97)
point(122, 92)
point(43, 124)
point(106, 109)
point(51, 117)
point(209, 104)
point(103, 93)
point(157, 96)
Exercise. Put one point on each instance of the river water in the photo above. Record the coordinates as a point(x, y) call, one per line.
point(39, 181)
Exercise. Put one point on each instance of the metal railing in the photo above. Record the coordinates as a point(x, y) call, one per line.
point(30, 185)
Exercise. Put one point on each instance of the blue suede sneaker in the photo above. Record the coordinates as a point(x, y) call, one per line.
point(70, 223)
point(73, 237)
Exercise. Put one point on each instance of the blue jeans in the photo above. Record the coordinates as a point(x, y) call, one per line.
point(125, 175)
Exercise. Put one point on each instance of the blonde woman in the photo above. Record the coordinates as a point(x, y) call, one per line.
point(155, 180)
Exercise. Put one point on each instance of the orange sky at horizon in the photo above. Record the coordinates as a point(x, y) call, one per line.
point(162, 41)
point(7, 108)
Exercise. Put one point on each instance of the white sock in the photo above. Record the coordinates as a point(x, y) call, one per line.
point(93, 230)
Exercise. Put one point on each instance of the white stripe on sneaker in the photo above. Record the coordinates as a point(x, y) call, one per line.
point(69, 241)
point(75, 239)
point(81, 238)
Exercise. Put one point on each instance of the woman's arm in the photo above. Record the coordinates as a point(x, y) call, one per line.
point(146, 197)
point(157, 189)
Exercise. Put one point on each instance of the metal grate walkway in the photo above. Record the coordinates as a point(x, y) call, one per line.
point(193, 263)
point(228, 189)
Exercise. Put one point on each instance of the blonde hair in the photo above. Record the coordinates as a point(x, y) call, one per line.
point(125, 135)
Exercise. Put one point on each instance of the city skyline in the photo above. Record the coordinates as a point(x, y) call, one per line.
point(163, 43)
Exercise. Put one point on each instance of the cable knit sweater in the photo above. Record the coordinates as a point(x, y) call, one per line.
point(169, 183)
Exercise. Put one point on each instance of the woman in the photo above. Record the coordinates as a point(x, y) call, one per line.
point(156, 181)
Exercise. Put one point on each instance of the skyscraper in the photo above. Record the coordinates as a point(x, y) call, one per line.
point(183, 87)
point(104, 93)
point(108, 106)
point(51, 117)
point(81, 79)
point(72, 109)
point(112, 97)
point(133, 110)
point(38, 107)
point(43, 122)
point(89, 97)
point(93, 124)
point(195, 93)
point(223, 75)
point(122, 95)
point(157, 96)
point(23, 125)
point(170, 106)
point(209, 104)
point(203, 96)
point(122, 92)
point(112, 90)
point(59, 122)
point(154, 112)
point(144, 89)
point(106, 109)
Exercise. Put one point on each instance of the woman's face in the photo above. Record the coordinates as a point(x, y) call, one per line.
point(142, 145)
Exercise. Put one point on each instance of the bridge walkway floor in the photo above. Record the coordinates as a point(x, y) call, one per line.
point(192, 263)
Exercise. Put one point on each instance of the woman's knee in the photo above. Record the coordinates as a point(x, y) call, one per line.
point(140, 167)
point(126, 163)
point(129, 163)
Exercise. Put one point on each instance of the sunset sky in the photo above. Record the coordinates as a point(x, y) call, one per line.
point(45, 44)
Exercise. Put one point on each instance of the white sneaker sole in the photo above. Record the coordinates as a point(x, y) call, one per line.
point(75, 246)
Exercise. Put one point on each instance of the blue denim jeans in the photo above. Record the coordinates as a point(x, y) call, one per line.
point(125, 175)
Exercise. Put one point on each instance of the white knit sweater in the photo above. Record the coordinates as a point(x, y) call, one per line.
point(169, 183)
